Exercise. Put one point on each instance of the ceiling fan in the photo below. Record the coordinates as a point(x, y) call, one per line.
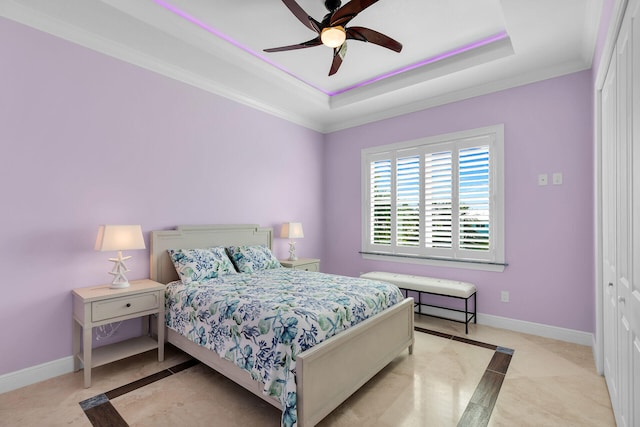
point(332, 31)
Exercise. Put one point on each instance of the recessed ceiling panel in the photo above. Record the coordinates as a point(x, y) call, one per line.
point(427, 30)
point(452, 49)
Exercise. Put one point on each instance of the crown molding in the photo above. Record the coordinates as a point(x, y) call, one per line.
point(459, 95)
point(196, 57)
point(30, 17)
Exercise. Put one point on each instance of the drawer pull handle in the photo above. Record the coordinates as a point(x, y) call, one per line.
point(128, 304)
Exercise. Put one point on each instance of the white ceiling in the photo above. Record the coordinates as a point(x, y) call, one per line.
point(454, 49)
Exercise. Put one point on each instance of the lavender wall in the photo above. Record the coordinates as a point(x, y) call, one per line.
point(549, 230)
point(88, 140)
point(84, 136)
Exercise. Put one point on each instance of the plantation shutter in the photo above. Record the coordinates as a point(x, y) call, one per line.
point(474, 198)
point(408, 201)
point(380, 215)
point(442, 200)
point(438, 206)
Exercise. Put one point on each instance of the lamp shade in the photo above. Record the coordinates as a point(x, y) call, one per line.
point(119, 238)
point(291, 230)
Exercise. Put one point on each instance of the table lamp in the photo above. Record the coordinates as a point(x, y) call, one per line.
point(119, 238)
point(292, 230)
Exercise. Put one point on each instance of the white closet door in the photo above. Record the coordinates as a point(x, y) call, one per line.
point(632, 305)
point(609, 297)
point(623, 223)
point(621, 220)
point(620, 186)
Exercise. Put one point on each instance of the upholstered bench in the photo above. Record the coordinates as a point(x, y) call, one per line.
point(429, 285)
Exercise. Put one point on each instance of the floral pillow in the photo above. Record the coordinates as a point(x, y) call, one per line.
point(248, 259)
point(199, 265)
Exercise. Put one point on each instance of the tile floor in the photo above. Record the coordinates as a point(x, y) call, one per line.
point(547, 383)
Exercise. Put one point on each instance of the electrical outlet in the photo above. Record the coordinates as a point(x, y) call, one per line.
point(504, 296)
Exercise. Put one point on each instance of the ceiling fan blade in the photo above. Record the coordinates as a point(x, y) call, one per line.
point(338, 55)
point(367, 35)
point(349, 11)
point(302, 15)
point(337, 62)
point(310, 43)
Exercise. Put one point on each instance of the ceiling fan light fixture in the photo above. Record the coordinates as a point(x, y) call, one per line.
point(333, 36)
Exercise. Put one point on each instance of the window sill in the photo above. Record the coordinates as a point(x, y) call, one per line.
point(468, 265)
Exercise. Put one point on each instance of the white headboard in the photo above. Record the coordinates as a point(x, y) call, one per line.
point(200, 236)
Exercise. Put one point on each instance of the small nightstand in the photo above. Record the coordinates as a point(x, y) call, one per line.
point(99, 305)
point(307, 264)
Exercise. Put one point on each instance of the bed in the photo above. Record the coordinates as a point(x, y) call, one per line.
point(327, 373)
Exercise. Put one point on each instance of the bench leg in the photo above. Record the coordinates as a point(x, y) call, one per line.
point(475, 308)
point(466, 315)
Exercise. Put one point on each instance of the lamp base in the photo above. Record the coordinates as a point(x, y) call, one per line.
point(119, 268)
point(292, 251)
point(120, 285)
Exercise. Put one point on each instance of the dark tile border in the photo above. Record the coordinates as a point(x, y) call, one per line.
point(105, 415)
point(480, 406)
point(101, 412)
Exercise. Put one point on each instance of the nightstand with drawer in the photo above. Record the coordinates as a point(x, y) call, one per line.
point(100, 305)
point(307, 264)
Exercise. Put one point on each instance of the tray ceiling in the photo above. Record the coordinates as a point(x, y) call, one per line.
point(451, 49)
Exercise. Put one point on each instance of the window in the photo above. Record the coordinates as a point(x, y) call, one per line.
point(436, 199)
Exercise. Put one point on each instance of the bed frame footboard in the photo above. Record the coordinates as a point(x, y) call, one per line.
point(330, 372)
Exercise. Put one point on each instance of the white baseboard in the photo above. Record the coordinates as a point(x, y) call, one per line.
point(34, 374)
point(597, 356)
point(547, 331)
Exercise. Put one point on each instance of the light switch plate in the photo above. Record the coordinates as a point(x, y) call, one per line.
point(557, 178)
point(543, 179)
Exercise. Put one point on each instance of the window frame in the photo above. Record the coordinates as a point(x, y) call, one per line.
point(492, 260)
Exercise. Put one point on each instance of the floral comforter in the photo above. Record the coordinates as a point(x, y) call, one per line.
point(262, 321)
